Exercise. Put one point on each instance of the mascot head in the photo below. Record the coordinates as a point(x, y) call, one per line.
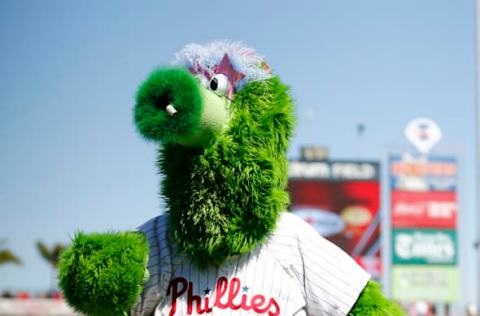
point(223, 121)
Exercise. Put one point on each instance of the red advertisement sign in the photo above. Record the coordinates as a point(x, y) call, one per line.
point(435, 209)
point(345, 211)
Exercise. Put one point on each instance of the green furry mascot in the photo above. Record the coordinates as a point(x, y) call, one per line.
point(225, 244)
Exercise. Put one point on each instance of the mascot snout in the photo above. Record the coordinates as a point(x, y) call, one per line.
point(174, 106)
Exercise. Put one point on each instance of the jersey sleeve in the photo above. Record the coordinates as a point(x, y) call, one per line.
point(332, 279)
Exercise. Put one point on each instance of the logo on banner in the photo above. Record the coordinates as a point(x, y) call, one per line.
point(423, 133)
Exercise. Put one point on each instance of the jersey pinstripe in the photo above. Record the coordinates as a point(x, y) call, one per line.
point(296, 272)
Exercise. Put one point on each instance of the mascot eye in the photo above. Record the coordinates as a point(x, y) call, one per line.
point(219, 84)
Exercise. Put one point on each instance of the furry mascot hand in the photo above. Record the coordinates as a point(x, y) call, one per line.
point(225, 243)
point(102, 274)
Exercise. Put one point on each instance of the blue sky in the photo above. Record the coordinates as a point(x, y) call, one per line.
point(70, 157)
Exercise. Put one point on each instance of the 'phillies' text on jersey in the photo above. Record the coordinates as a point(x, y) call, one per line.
point(226, 297)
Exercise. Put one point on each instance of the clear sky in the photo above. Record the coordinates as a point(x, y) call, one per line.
point(70, 157)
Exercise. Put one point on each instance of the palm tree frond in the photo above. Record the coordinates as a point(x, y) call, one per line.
point(8, 256)
point(52, 256)
point(44, 251)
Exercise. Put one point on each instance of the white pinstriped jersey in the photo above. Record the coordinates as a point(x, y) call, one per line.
point(296, 272)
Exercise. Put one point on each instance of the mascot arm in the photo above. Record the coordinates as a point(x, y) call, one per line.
point(372, 302)
point(103, 274)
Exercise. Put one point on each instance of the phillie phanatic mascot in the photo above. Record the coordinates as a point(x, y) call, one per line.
point(225, 244)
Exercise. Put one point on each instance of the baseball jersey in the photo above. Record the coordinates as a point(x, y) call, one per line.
point(295, 272)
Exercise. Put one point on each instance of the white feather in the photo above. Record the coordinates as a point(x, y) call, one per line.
point(243, 58)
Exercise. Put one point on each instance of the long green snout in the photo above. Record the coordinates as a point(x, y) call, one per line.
point(173, 107)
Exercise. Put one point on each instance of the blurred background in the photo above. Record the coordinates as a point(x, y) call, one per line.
point(359, 71)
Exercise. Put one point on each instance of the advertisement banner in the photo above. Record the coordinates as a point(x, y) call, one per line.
point(423, 173)
point(424, 218)
point(424, 209)
point(341, 199)
point(426, 246)
point(428, 283)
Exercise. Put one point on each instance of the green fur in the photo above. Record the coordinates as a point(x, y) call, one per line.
point(102, 274)
point(225, 199)
point(372, 302)
point(165, 86)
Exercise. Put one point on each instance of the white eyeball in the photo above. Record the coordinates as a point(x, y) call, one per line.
point(219, 84)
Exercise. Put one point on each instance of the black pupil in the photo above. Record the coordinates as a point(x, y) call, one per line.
point(214, 84)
